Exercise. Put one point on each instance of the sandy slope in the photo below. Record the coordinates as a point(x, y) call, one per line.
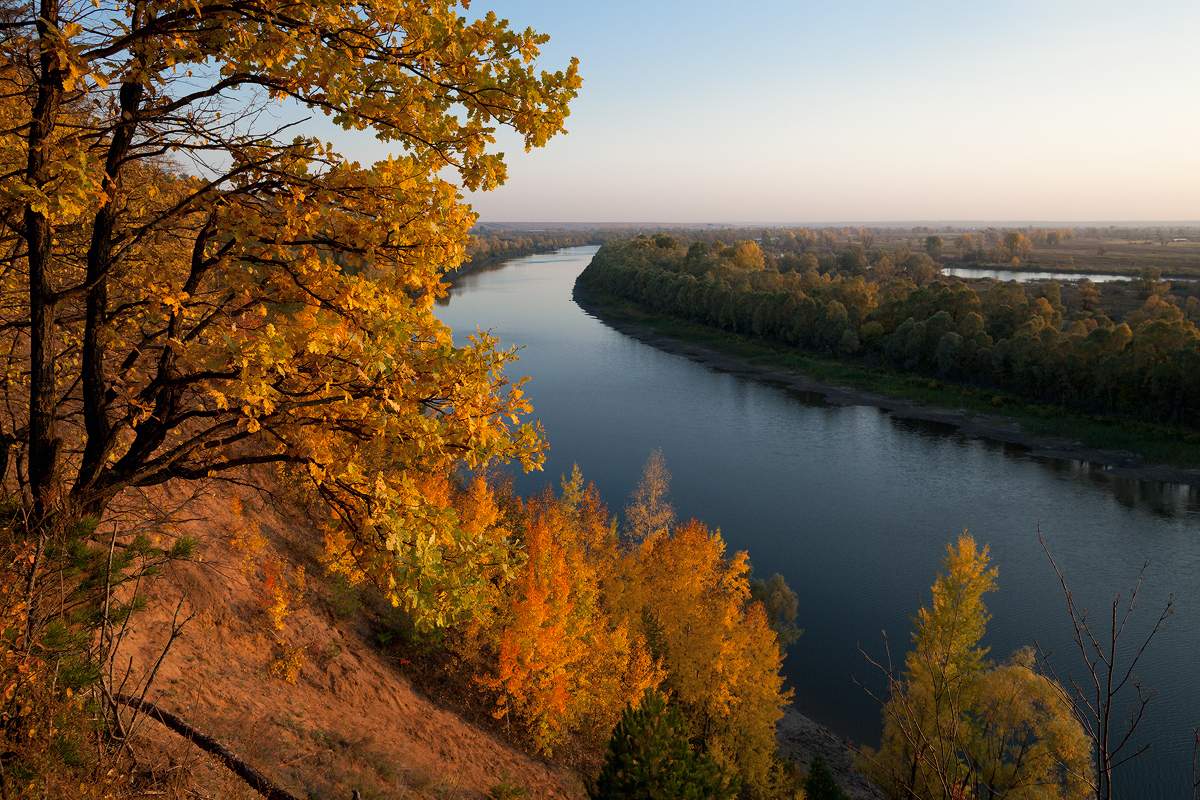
point(351, 720)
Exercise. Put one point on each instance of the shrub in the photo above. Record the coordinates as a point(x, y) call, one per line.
point(820, 785)
point(650, 757)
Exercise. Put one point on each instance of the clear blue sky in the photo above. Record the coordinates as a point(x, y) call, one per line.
point(870, 111)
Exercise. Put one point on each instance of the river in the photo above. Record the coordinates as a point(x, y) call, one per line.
point(854, 507)
point(1029, 276)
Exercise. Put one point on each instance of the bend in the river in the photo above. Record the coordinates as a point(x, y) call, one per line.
point(853, 506)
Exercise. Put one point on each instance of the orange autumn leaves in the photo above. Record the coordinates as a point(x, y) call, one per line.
point(563, 663)
point(589, 622)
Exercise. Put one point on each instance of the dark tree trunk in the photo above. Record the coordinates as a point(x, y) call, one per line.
point(253, 778)
point(39, 238)
point(96, 397)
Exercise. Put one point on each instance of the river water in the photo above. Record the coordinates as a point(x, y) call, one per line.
point(1028, 276)
point(854, 507)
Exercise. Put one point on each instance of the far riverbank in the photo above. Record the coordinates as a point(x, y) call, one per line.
point(802, 739)
point(1141, 451)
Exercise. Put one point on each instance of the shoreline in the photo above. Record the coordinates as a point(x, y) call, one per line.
point(801, 739)
point(1080, 271)
point(992, 427)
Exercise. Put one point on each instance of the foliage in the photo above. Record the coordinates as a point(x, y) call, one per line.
point(721, 656)
point(584, 625)
point(892, 308)
point(190, 290)
point(649, 511)
point(820, 784)
point(491, 244)
point(650, 757)
point(781, 606)
point(54, 712)
point(958, 726)
point(562, 663)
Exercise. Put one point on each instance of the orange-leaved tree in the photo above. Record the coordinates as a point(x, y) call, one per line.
point(563, 666)
point(189, 286)
point(584, 623)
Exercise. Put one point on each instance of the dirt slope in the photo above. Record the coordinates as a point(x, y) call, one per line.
point(351, 720)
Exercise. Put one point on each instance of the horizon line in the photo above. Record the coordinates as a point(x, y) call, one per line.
point(859, 222)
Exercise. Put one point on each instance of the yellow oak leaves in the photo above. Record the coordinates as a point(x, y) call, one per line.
point(192, 288)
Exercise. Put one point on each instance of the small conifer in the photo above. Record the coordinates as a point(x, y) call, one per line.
point(651, 758)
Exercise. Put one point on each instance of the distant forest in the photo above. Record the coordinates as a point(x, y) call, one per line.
point(490, 245)
point(1130, 348)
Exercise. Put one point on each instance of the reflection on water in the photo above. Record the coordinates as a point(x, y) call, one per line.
point(1024, 276)
point(852, 505)
point(1170, 499)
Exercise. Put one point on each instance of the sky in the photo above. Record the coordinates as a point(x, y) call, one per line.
point(849, 111)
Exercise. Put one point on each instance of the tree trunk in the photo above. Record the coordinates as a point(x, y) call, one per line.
point(99, 261)
point(39, 239)
point(253, 778)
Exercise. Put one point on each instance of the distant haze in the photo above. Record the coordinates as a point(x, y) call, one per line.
point(805, 112)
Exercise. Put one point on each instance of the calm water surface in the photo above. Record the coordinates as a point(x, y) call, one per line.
point(1026, 276)
point(853, 506)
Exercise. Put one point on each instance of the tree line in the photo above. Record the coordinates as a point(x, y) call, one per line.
point(898, 310)
point(489, 246)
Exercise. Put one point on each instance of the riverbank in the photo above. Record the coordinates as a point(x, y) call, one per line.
point(802, 739)
point(1123, 448)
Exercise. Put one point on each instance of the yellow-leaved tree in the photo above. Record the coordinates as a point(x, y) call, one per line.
point(956, 726)
point(190, 287)
point(721, 657)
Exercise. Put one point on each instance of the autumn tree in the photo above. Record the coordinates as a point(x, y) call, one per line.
point(721, 657)
point(649, 509)
point(191, 287)
point(557, 661)
point(955, 725)
point(747, 255)
point(583, 624)
point(969, 246)
point(1017, 245)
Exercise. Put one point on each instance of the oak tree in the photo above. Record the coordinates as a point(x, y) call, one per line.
point(191, 286)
